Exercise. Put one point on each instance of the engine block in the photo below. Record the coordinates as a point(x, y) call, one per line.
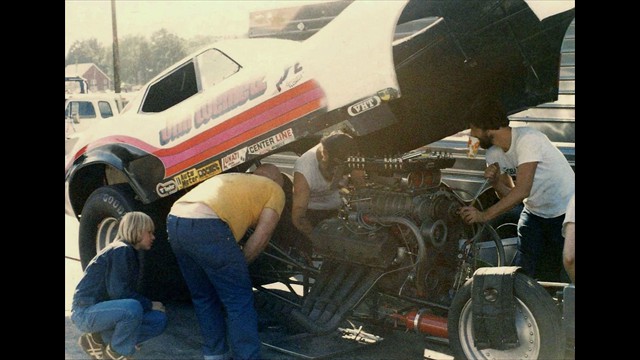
point(403, 217)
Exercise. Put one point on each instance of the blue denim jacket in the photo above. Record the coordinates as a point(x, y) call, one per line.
point(112, 274)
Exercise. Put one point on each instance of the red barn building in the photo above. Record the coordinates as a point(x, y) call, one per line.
point(96, 78)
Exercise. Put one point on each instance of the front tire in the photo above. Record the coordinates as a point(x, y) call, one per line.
point(538, 323)
point(160, 277)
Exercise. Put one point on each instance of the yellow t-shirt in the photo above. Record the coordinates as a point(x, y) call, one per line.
point(238, 199)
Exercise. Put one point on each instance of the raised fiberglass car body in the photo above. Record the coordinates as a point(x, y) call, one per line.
point(234, 102)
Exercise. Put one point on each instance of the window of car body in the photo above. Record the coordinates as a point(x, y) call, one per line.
point(213, 67)
point(172, 89)
point(84, 109)
point(105, 109)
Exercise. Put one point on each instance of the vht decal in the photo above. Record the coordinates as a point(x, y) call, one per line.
point(271, 143)
point(364, 105)
point(234, 159)
point(229, 101)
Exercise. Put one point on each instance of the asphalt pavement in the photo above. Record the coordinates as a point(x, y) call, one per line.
point(182, 340)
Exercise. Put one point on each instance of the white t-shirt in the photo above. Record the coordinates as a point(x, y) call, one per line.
point(570, 216)
point(321, 196)
point(554, 181)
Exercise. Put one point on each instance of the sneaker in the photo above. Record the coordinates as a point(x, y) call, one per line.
point(109, 353)
point(92, 345)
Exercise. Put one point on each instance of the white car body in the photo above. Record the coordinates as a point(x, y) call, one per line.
point(289, 79)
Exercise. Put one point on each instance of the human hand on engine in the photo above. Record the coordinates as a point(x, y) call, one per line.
point(471, 215)
point(492, 173)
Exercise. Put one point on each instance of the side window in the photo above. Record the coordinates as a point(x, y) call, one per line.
point(214, 66)
point(105, 109)
point(84, 109)
point(171, 90)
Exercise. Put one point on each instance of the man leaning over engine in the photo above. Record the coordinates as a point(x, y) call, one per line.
point(544, 184)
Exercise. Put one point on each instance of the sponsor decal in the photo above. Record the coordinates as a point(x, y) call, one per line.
point(297, 75)
point(186, 178)
point(208, 171)
point(166, 188)
point(174, 131)
point(234, 159)
point(229, 101)
point(196, 175)
point(271, 143)
point(364, 105)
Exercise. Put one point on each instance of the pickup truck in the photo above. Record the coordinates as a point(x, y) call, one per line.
point(84, 110)
point(227, 106)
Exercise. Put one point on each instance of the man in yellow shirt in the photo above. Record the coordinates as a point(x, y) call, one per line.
point(204, 227)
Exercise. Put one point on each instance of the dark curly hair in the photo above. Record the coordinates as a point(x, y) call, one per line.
point(339, 145)
point(487, 114)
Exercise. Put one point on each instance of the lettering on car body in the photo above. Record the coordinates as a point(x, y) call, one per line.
point(293, 81)
point(196, 175)
point(364, 105)
point(229, 101)
point(166, 188)
point(271, 143)
point(208, 171)
point(234, 159)
point(174, 131)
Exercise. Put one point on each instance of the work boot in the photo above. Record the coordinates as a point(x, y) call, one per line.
point(92, 345)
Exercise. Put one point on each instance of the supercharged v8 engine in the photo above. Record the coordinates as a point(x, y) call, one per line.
point(399, 235)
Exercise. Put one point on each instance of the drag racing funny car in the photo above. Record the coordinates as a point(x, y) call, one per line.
point(227, 106)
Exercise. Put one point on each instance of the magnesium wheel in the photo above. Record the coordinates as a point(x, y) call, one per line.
point(538, 323)
point(161, 278)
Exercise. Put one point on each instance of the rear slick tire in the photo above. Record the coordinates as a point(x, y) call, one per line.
point(538, 323)
point(99, 220)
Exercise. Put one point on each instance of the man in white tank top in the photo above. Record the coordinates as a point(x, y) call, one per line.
point(317, 178)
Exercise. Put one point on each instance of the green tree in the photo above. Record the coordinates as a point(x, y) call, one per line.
point(140, 59)
point(89, 51)
point(166, 49)
point(135, 52)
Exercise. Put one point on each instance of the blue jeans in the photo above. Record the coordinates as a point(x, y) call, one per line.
point(122, 323)
point(217, 276)
point(540, 250)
